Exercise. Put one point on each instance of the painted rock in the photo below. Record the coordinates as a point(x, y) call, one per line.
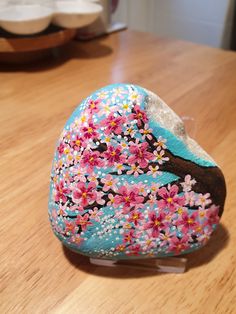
point(128, 182)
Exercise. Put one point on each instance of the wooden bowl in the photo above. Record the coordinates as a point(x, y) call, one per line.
point(19, 48)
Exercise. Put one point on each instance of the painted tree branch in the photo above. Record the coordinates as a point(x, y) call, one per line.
point(209, 179)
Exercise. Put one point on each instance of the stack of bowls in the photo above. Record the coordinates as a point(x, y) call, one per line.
point(25, 17)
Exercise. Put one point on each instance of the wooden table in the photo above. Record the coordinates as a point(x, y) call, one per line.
point(37, 274)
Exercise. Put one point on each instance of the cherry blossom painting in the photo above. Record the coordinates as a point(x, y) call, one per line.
point(124, 186)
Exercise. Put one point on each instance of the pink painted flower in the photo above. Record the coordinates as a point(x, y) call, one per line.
point(75, 239)
point(135, 217)
point(79, 174)
point(83, 194)
point(170, 198)
point(62, 210)
point(95, 214)
point(187, 222)
point(113, 124)
point(155, 223)
point(61, 148)
point(212, 215)
point(67, 177)
point(113, 155)
point(149, 242)
point(202, 213)
point(166, 237)
point(139, 115)
point(154, 187)
point(100, 199)
point(90, 131)
point(91, 159)
point(134, 249)
point(128, 198)
point(111, 200)
point(140, 154)
point(179, 245)
point(203, 200)
point(129, 236)
point(204, 237)
point(61, 191)
point(120, 247)
point(69, 160)
point(83, 221)
point(78, 142)
point(109, 183)
point(119, 167)
point(93, 177)
point(142, 188)
point(70, 227)
point(135, 170)
point(152, 200)
point(188, 183)
point(93, 105)
point(76, 208)
point(190, 198)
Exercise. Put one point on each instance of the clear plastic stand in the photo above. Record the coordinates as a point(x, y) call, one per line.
point(163, 265)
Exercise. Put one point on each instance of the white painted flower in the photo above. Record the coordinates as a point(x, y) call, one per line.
point(203, 200)
point(159, 156)
point(160, 143)
point(153, 171)
point(188, 183)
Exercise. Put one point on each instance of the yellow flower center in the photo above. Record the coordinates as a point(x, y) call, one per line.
point(135, 216)
point(169, 200)
point(90, 130)
point(157, 222)
point(83, 119)
point(180, 210)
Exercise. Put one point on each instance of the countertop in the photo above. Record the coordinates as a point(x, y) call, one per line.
point(37, 274)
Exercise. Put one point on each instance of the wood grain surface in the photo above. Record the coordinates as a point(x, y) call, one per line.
point(37, 274)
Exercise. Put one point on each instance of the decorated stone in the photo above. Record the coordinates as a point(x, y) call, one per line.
point(128, 182)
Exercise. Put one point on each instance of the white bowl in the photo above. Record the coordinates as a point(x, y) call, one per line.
point(75, 14)
point(25, 19)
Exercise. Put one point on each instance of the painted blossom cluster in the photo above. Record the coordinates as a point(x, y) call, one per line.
point(99, 191)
